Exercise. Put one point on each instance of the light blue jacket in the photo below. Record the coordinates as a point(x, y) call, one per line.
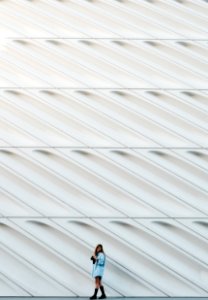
point(99, 266)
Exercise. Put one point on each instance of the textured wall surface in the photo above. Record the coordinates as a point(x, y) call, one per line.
point(103, 139)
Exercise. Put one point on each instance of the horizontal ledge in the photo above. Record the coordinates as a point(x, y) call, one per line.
point(126, 298)
point(100, 88)
point(107, 38)
point(101, 218)
point(110, 148)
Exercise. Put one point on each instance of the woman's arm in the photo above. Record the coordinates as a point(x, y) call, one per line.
point(101, 259)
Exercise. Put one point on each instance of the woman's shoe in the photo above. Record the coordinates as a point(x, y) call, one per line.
point(103, 296)
point(95, 294)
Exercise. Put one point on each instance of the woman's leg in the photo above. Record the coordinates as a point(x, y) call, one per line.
point(97, 282)
point(97, 286)
point(103, 296)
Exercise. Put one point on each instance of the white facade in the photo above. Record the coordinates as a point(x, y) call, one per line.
point(103, 139)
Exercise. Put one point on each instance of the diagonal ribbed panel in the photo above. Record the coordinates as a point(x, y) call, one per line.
point(104, 63)
point(130, 18)
point(103, 139)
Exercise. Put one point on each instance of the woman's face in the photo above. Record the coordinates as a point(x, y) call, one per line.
point(99, 249)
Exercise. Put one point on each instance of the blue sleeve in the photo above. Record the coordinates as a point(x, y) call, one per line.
point(101, 259)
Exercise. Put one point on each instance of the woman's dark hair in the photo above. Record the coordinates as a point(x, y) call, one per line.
point(96, 251)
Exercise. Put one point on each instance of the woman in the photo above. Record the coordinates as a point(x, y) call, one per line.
point(98, 259)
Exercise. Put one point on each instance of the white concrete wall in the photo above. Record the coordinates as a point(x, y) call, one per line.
point(103, 139)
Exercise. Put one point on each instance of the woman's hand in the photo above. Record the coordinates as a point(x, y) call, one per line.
point(93, 258)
